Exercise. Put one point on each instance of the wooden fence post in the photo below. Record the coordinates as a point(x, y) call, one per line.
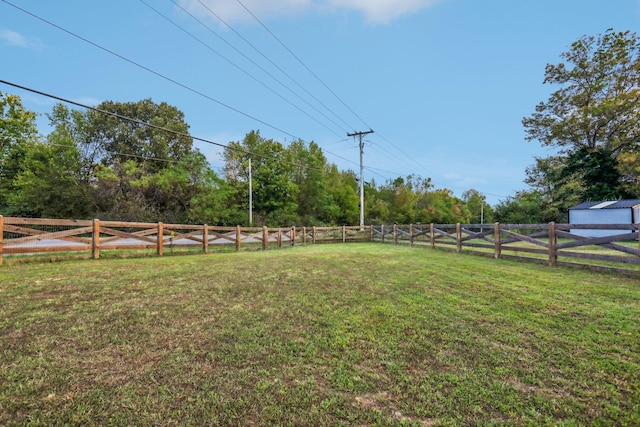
point(553, 243)
point(279, 238)
point(497, 240)
point(313, 234)
point(344, 233)
point(265, 237)
point(238, 237)
point(304, 235)
point(293, 236)
point(458, 237)
point(95, 239)
point(382, 233)
point(160, 239)
point(432, 235)
point(371, 233)
point(395, 234)
point(205, 238)
point(410, 234)
point(1, 238)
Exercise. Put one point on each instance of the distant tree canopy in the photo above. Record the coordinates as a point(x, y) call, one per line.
point(592, 120)
point(97, 165)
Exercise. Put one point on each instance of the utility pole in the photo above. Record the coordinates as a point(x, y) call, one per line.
point(361, 134)
point(250, 196)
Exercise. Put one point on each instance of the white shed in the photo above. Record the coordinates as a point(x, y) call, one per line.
point(607, 212)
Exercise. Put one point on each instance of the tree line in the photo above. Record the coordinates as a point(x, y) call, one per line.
point(138, 163)
point(135, 161)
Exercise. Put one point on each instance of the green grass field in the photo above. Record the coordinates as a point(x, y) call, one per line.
point(358, 334)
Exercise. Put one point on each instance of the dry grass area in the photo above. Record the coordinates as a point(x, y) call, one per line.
point(359, 334)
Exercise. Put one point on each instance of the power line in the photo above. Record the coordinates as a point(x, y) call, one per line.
point(302, 63)
point(242, 69)
point(182, 85)
point(150, 125)
point(272, 62)
point(407, 156)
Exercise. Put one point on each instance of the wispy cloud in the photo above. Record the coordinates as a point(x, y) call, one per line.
point(375, 11)
point(383, 11)
point(15, 39)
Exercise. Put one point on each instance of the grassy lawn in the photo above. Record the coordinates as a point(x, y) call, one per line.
point(358, 334)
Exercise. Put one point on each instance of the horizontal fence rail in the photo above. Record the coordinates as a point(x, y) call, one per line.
point(553, 244)
point(30, 237)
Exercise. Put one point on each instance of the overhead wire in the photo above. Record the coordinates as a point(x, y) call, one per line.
point(312, 72)
point(156, 73)
point(186, 87)
point(320, 80)
point(284, 72)
point(301, 62)
point(242, 69)
point(150, 125)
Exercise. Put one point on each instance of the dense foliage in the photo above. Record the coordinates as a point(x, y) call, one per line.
point(97, 165)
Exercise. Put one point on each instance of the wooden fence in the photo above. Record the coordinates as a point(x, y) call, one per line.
point(31, 237)
point(553, 244)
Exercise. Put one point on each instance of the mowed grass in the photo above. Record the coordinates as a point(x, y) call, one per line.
point(358, 334)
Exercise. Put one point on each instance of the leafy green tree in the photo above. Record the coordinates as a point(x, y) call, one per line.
point(272, 166)
point(444, 208)
point(122, 140)
point(480, 210)
point(343, 189)
point(593, 119)
point(314, 203)
point(50, 184)
point(18, 134)
point(120, 193)
point(526, 207)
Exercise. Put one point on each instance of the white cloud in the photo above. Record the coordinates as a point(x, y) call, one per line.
point(13, 38)
point(383, 11)
point(375, 11)
point(232, 11)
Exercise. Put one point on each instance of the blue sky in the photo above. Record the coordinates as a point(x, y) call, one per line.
point(443, 83)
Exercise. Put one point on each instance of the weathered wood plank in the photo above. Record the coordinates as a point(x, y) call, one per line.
point(46, 249)
point(600, 257)
point(525, 238)
point(56, 235)
point(125, 235)
point(47, 221)
point(595, 241)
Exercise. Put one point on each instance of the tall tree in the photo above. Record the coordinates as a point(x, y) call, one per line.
point(274, 192)
point(18, 134)
point(314, 203)
point(594, 118)
point(481, 211)
point(124, 140)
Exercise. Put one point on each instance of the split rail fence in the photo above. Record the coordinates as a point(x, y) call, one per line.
point(617, 250)
point(30, 238)
point(554, 244)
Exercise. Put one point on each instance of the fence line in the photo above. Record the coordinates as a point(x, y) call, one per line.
point(541, 243)
point(32, 236)
point(553, 244)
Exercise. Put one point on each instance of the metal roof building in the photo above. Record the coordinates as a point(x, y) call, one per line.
point(605, 212)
